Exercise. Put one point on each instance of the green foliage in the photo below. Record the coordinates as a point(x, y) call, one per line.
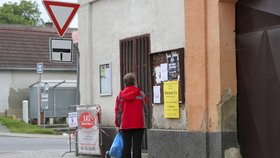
point(26, 13)
point(21, 127)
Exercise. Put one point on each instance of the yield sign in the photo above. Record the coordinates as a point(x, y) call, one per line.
point(61, 14)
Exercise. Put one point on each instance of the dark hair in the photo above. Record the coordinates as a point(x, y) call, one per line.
point(129, 79)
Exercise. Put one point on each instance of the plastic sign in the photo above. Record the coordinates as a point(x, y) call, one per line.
point(61, 14)
point(86, 120)
point(88, 130)
point(73, 117)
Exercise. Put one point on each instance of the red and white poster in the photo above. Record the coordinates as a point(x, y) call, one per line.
point(88, 130)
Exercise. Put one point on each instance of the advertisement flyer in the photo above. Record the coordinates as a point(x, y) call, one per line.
point(171, 99)
point(88, 131)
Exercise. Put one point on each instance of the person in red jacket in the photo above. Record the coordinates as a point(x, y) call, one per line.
point(131, 113)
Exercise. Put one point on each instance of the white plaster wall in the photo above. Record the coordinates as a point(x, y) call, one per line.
point(85, 41)
point(113, 20)
point(18, 80)
point(5, 83)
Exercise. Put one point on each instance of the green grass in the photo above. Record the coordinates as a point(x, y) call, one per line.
point(16, 126)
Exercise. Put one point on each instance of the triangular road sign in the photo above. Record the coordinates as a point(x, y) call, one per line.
point(61, 14)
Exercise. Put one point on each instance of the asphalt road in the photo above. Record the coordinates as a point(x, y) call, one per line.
point(8, 143)
point(23, 147)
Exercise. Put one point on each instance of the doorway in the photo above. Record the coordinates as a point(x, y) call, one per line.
point(134, 57)
point(258, 77)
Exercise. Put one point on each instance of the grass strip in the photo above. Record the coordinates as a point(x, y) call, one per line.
point(16, 126)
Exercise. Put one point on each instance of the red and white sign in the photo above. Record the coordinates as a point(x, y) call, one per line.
point(88, 129)
point(61, 14)
point(86, 120)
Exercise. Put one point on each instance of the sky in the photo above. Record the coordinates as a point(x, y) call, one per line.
point(44, 15)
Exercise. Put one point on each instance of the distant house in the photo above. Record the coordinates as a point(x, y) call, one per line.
point(21, 48)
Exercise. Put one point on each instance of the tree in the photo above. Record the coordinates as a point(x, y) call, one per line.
point(26, 13)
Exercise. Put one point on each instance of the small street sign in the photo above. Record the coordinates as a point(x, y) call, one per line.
point(60, 50)
point(61, 14)
point(45, 101)
point(39, 68)
point(46, 87)
point(73, 119)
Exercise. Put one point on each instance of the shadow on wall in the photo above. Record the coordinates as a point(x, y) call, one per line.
point(15, 102)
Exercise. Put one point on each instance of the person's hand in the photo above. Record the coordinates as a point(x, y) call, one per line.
point(117, 129)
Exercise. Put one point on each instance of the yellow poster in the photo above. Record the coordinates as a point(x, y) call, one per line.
point(171, 99)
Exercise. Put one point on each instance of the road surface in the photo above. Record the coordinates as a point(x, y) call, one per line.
point(23, 147)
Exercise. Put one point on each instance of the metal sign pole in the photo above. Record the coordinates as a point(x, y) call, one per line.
point(39, 100)
point(44, 119)
point(39, 71)
point(78, 74)
point(78, 94)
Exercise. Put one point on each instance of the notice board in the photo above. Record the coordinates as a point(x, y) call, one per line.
point(167, 66)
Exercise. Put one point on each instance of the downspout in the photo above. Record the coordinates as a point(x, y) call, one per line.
point(206, 79)
point(206, 65)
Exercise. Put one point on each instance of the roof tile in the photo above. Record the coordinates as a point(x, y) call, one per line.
point(23, 47)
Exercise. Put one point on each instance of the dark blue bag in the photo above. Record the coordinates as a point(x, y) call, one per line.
point(117, 146)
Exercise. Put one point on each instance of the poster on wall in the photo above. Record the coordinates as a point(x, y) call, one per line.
point(88, 130)
point(163, 72)
point(105, 79)
point(173, 65)
point(156, 90)
point(171, 99)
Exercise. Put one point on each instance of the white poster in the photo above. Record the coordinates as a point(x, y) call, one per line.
point(73, 119)
point(163, 72)
point(88, 130)
point(156, 94)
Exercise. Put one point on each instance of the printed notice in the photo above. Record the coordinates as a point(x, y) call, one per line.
point(163, 72)
point(156, 94)
point(73, 123)
point(173, 66)
point(171, 99)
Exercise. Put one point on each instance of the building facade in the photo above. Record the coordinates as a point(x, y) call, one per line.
point(214, 45)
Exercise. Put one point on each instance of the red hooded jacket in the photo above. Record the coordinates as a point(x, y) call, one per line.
point(131, 109)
